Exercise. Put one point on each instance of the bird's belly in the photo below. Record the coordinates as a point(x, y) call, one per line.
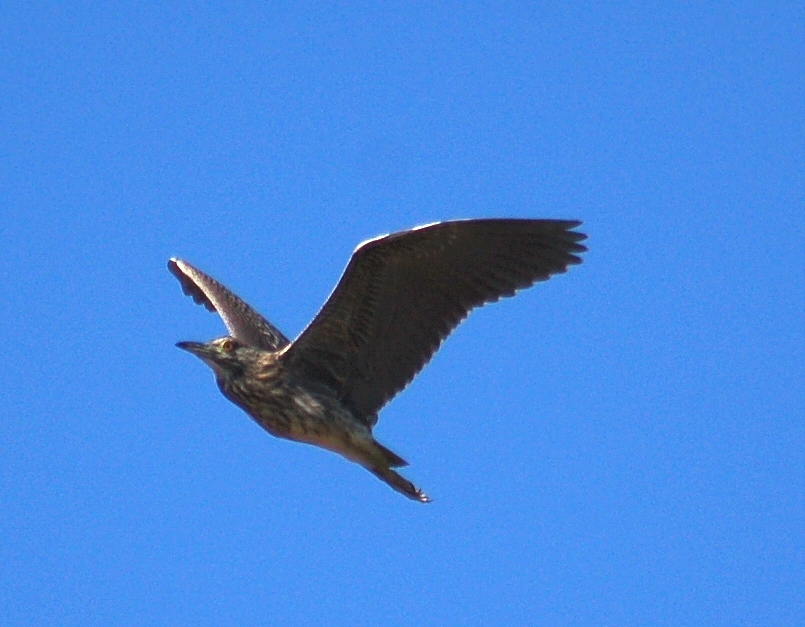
point(296, 414)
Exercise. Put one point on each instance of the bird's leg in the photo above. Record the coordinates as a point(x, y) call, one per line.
point(399, 483)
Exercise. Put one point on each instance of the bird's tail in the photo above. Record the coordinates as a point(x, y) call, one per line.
point(390, 457)
point(381, 462)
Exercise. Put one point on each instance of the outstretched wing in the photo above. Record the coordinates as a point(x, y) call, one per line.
point(402, 294)
point(242, 321)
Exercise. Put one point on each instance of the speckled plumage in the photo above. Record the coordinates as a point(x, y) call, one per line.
point(399, 297)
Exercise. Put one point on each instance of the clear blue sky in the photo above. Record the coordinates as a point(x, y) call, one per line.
point(622, 445)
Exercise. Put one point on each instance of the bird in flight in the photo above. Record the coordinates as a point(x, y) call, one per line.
point(400, 296)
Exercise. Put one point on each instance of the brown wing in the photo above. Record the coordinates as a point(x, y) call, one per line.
point(242, 321)
point(402, 294)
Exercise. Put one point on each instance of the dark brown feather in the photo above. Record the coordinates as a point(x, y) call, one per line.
point(402, 294)
point(243, 322)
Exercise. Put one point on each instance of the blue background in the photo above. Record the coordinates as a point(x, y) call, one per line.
point(622, 445)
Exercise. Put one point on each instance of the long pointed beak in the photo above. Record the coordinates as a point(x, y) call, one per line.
point(197, 348)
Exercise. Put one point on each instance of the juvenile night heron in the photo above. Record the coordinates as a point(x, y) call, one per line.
point(400, 296)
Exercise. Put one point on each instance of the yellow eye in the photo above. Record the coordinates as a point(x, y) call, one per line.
point(227, 346)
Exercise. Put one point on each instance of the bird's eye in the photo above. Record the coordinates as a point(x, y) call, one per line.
point(228, 346)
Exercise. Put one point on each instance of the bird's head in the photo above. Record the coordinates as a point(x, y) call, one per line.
point(226, 356)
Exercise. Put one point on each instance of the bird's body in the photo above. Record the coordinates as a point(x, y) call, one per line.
point(400, 296)
point(296, 410)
